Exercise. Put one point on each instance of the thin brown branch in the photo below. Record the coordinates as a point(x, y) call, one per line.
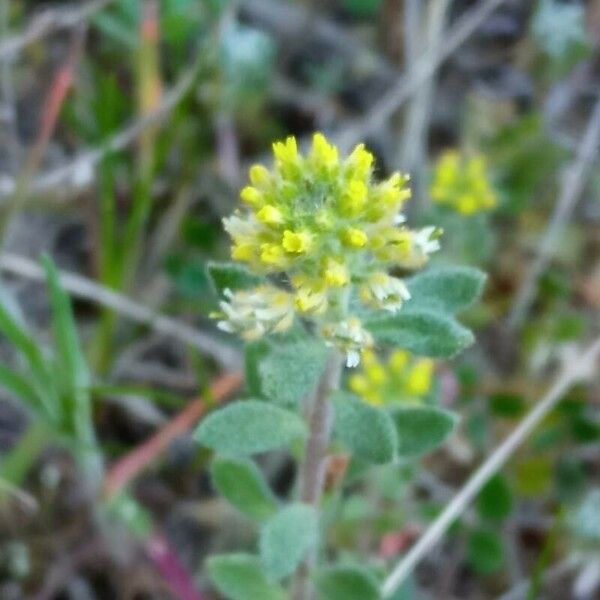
point(58, 93)
point(128, 467)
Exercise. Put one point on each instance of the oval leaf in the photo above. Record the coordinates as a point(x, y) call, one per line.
point(286, 539)
point(495, 500)
point(249, 427)
point(448, 289)
point(421, 428)
point(240, 577)
point(242, 483)
point(347, 583)
point(485, 552)
point(284, 372)
point(422, 332)
point(367, 431)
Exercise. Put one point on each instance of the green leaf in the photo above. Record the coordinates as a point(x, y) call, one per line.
point(286, 538)
point(485, 552)
point(20, 386)
point(284, 372)
point(231, 276)
point(422, 332)
point(448, 289)
point(347, 583)
point(241, 482)
point(495, 500)
point(72, 371)
point(240, 577)
point(65, 330)
point(41, 375)
point(421, 428)
point(249, 427)
point(368, 432)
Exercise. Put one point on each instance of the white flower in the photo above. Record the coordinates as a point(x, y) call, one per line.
point(423, 241)
point(350, 337)
point(256, 312)
point(384, 292)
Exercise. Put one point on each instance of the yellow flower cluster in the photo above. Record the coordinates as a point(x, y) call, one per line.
point(402, 378)
point(323, 222)
point(462, 184)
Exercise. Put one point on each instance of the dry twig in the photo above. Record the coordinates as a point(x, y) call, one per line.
point(407, 85)
point(573, 184)
point(85, 288)
point(49, 21)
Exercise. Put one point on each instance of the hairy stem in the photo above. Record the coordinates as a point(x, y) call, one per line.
point(312, 470)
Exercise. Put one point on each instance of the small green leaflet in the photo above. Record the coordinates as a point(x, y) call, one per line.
point(249, 427)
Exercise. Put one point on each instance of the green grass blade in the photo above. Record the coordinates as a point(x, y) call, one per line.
point(72, 369)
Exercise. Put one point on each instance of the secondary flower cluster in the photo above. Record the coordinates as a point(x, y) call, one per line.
point(462, 184)
point(402, 378)
point(325, 225)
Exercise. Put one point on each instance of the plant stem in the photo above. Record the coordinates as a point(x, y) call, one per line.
point(312, 471)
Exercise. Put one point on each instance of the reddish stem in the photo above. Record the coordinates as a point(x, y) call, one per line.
point(171, 568)
point(125, 469)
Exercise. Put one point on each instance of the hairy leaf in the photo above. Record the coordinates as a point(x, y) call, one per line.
point(449, 289)
point(422, 332)
point(346, 583)
point(365, 430)
point(286, 539)
point(421, 428)
point(241, 482)
point(240, 577)
point(285, 371)
point(249, 427)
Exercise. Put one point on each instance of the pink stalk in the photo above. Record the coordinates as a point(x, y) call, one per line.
point(174, 572)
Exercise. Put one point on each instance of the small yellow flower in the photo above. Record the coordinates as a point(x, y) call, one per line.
point(323, 154)
point(286, 152)
point(242, 251)
point(398, 361)
point(251, 196)
point(462, 184)
point(259, 176)
point(335, 273)
point(401, 379)
point(355, 238)
point(273, 254)
point(359, 163)
point(296, 243)
point(270, 215)
point(354, 198)
point(419, 379)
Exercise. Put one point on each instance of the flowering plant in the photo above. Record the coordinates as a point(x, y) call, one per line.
point(327, 227)
point(322, 281)
point(462, 184)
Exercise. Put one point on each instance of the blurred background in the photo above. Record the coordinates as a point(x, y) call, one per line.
point(126, 131)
